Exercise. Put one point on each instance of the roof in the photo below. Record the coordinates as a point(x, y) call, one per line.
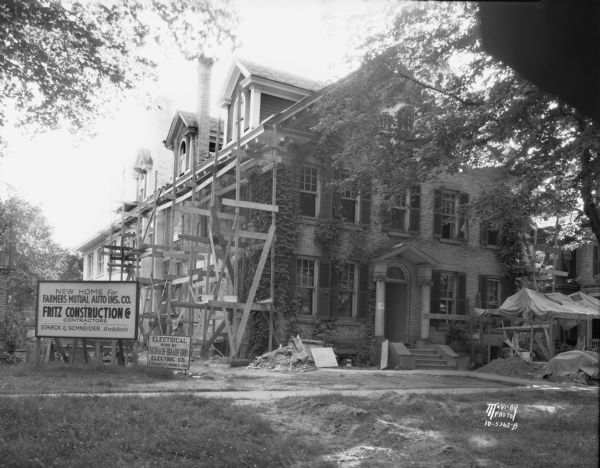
point(279, 75)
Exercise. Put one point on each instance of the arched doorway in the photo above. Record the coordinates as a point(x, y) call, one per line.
point(396, 305)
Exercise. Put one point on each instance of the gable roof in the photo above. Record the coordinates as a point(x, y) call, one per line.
point(189, 120)
point(256, 69)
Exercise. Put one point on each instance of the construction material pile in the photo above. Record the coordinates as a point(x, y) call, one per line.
point(575, 366)
point(283, 359)
point(512, 366)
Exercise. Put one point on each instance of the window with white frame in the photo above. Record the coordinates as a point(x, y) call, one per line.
point(99, 262)
point(450, 221)
point(447, 293)
point(405, 118)
point(305, 284)
point(346, 287)
point(90, 265)
point(309, 186)
point(354, 199)
point(183, 162)
point(405, 214)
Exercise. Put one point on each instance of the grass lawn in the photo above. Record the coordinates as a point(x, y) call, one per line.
point(58, 377)
point(167, 431)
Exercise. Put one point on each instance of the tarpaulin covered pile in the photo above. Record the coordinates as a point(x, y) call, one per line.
point(531, 305)
point(565, 366)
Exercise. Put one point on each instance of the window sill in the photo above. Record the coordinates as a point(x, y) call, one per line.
point(492, 246)
point(307, 220)
point(352, 227)
point(395, 233)
point(453, 241)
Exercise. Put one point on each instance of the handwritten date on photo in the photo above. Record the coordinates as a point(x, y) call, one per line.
point(501, 415)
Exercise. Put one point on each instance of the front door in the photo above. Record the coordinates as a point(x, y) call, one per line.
point(396, 313)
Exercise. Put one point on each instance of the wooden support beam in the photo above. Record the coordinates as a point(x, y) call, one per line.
point(253, 288)
point(249, 205)
point(204, 212)
point(188, 305)
point(240, 305)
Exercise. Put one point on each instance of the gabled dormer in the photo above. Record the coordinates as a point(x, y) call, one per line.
point(253, 93)
point(180, 140)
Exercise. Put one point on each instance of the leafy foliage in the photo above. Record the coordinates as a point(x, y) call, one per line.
point(469, 110)
point(60, 61)
point(35, 256)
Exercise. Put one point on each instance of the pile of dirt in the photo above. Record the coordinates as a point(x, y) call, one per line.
point(512, 366)
point(284, 359)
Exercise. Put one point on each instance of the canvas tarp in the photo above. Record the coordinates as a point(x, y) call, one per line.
point(530, 305)
point(565, 365)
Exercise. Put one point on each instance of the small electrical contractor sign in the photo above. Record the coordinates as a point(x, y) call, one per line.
point(87, 309)
point(169, 351)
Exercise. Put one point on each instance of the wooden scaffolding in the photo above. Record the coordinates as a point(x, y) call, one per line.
point(190, 241)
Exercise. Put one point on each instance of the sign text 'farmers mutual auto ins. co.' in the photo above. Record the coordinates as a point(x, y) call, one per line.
point(87, 309)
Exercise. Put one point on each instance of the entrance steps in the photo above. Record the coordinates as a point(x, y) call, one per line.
point(429, 359)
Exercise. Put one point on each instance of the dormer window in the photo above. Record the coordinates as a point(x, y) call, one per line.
point(183, 162)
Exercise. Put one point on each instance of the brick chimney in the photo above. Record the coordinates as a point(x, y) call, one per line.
point(203, 108)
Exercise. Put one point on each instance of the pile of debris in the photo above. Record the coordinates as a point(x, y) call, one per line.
point(513, 366)
point(295, 357)
point(284, 359)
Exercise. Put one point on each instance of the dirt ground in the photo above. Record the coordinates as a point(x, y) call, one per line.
point(374, 418)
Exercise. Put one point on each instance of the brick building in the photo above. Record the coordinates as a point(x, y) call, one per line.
point(403, 277)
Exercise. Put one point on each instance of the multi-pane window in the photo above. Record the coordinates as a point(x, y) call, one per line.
point(305, 283)
point(450, 221)
point(596, 260)
point(346, 287)
point(90, 265)
point(447, 293)
point(354, 199)
point(349, 200)
point(387, 123)
point(406, 210)
point(99, 262)
point(309, 183)
point(493, 293)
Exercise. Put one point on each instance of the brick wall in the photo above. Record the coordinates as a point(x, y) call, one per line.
point(471, 257)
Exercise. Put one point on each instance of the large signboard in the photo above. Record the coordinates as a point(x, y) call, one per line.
point(87, 309)
point(169, 351)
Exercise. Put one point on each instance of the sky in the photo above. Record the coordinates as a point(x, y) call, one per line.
point(78, 182)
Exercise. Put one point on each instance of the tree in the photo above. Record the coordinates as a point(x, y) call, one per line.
point(469, 110)
point(60, 60)
point(35, 256)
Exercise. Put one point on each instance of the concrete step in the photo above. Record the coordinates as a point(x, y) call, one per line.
point(419, 365)
point(428, 352)
point(429, 359)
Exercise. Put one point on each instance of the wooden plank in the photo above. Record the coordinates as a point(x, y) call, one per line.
point(253, 288)
point(446, 317)
point(250, 205)
point(246, 234)
point(324, 357)
point(184, 256)
point(385, 348)
point(188, 305)
point(204, 212)
point(549, 271)
point(240, 305)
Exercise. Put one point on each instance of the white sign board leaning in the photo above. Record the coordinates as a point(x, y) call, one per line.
point(172, 352)
point(87, 309)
